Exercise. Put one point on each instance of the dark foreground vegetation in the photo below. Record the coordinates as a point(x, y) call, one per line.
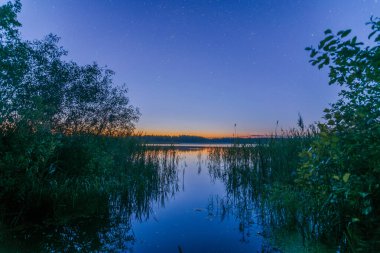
point(64, 127)
point(341, 169)
point(67, 159)
point(66, 151)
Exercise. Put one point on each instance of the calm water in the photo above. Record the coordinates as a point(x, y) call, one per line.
point(191, 205)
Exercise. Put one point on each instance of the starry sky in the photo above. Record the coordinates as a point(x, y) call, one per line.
point(199, 67)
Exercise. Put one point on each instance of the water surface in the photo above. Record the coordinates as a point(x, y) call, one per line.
point(193, 203)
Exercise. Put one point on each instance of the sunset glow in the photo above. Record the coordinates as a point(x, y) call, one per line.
point(205, 134)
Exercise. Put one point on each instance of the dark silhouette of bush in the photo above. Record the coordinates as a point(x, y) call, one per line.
point(58, 123)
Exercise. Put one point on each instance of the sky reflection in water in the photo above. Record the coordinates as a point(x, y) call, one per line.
point(192, 218)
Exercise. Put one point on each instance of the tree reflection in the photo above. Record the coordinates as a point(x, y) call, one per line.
point(104, 223)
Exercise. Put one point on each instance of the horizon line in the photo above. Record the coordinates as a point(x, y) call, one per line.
point(206, 135)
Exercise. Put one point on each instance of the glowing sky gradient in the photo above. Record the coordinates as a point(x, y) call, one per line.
point(198, 67)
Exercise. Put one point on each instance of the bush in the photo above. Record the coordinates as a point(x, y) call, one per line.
point(343, 166)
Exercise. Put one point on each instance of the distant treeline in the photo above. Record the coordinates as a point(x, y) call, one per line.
point(167, 139)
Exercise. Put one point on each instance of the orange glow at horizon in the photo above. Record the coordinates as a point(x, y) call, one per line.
point(205, 134)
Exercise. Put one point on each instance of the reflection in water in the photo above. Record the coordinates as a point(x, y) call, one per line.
point(246, 178)
point(170, 203)
point(241, 195)
point(104, 223)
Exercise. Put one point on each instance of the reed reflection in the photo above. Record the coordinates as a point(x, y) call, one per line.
point(104, 222)
point(254, 197)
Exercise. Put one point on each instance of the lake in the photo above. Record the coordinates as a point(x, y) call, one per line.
point(193, 204)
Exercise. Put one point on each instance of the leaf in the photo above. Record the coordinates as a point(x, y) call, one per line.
point(367, 210)
point(313, 53)
point(328, 46)
point(346, 177)
point(323, 42)
point(328, 38)
point(371, 34)
point(328, 31)
point(344, 33)
point(335, 177)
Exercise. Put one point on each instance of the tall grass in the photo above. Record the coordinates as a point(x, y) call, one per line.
point(265, 176)
point(272, 176)
point(92, 185)
point(83, 169)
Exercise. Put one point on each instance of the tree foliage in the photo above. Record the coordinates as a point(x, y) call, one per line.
point(52, 109)
point(343, 165)
point(42, 89)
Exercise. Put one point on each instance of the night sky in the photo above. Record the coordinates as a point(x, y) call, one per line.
point(199, 67)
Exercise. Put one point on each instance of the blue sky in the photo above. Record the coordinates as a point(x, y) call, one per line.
point(199, 67)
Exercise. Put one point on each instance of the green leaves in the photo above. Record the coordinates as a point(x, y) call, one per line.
point(345, 157)
point(323, 42)
point(375, 26)
point(346, 176)
point(8, 21)
point(38, 86)
point(344, 33)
